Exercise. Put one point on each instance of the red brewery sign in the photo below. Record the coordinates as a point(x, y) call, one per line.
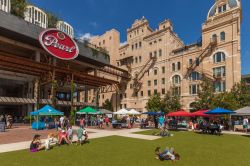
point(58, 44)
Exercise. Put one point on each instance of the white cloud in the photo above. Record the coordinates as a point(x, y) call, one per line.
point(85, 36)
point(123, 43)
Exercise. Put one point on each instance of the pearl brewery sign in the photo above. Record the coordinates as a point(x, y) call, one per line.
point(58, 44)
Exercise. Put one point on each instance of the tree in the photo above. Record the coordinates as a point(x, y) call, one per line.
point(170, 103)
point(154, 103)
point(18, 7)
point(225, 100)
point(107, 105)
point(52, 20)
point(241, 93)
point(205, 95)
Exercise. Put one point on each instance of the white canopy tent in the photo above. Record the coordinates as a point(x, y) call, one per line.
point(133, 112)
point(121, 112)
point(242, 112)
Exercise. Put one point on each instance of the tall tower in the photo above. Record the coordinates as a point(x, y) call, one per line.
point(224, 25)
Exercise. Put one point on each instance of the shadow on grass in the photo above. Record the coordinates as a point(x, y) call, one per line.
point(202, 133)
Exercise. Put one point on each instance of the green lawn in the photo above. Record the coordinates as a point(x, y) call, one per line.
point(195, 150)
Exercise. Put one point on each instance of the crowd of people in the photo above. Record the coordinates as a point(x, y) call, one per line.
point(8, 120)
point(97, 121)
point(64, 135)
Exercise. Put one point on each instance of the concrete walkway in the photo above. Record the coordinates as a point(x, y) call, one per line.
point(94, 133)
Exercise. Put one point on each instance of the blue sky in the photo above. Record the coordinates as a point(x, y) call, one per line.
point(94, 17)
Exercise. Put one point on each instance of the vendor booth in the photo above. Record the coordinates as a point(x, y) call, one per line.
point(46, 111)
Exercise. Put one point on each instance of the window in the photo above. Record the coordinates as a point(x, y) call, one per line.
point(149, 93)
point(179, 65)
point(150, 43)
point(155, 53)
point(136, 45)
point(155, 91)
point(197, 61)
point(120, 106)
point(214, 37)
point(176, 79)
point(141, 93)
point(125, 105)
point(222, 36)
point(136, 94)
point(139, 44)
point(155, 82)
point(163, 80)
point(121, 96)
point(163, 91)
point(219, 71)
point(190, 61)
point(173, 66)
point(139, 58)
point(136, 60)
point(159, 40)
point(117, 63)
point(150, 54)
point(163, 69)
point(219, 57)
point(176, 91)
point(132, 47)
point(220, 86)
point(103, 42)
point(193, 89)
point(125, 95)
point(222, 8)
point(149, 83)
point(160, 53)
point(110, 37)
point(194, 76)
point(155, 41)
point(155, 72)
point(131, 86)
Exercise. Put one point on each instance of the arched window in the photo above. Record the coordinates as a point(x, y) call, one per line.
point(176, 79)
point(222, 36)
point(219, 57)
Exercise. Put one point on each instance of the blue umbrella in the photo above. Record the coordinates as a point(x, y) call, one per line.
point(219, 111)
point(154, 113)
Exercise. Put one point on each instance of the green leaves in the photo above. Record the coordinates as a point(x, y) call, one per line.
point(18, 7)
point(168, 104)
point(154, 103)
point(107, 105)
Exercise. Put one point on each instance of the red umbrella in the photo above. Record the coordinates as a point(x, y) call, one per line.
point(179, 113)
point(200, 113)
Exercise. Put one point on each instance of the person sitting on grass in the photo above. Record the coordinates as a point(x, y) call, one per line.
point(70, 134)
point(36, 144)
point(79, 135)
point(63, 137)
point(85, 134)
point(168, 154)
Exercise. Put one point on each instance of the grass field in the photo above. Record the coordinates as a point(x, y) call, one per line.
point(195, 150)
